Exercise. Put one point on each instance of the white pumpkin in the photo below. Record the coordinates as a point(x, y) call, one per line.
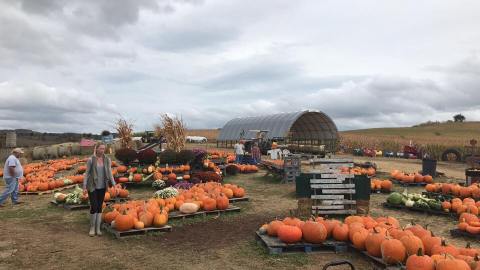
point(189, 208)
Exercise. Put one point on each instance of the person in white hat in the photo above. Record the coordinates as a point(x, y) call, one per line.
point(12, 172)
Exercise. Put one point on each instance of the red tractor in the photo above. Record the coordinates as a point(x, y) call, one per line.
point(411, 151)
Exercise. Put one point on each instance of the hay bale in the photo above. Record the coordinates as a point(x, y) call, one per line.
point(63, 150)
point(76, 149)
point(39, 152)
point(52, 151)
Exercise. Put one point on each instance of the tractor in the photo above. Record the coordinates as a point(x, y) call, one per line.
point(471, 153)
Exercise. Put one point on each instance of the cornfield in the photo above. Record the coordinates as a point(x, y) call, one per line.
point(434, 147)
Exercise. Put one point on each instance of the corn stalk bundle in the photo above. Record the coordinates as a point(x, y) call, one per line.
point(124, 130)
point(174, 131)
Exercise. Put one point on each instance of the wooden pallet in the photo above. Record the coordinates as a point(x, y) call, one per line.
point(421, 210)
point(47, 191)
point(178, 215)
point(243, 199)
point(118, 200)
point(71, 207)
point(132, 232)
point(460, 233)
point(274, 246)
point(421, 184)
point(377, 263)
point(333, 191)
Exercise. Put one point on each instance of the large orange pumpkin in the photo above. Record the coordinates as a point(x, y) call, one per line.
point(374, 241)
point(122, 169)
point(429, 241)
point(147, 218)
point(222, 202)
point(428, 178)
point(386, 185)
point(419, 262)
point(450, 263)
point(359, 237)
point(393, 251)
point(123, 222)
point(340, 232)
point(444, 248)
point(289, 234)
point(273, 226)
point(160, 220)
point(412, 244)
point(314, 232)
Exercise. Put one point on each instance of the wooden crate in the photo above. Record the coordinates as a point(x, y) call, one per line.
point(291, 168)
point(332, 191)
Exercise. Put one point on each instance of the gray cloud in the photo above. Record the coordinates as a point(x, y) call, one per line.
point(73, 64)
point(46, 107)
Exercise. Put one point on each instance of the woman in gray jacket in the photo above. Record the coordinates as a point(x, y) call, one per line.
point(97, 177)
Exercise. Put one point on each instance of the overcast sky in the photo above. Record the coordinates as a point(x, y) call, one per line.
point(75, 65)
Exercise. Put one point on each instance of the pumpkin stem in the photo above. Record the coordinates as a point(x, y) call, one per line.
point(420, 252)
point(444, 243)
point(468, 245)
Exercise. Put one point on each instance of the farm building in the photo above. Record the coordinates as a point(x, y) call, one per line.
point(303, 128)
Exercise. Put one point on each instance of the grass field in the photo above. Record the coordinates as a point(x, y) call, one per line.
point(446, 134)
point(36, 235)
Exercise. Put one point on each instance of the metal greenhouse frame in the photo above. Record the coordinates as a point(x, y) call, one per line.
point(303, 128)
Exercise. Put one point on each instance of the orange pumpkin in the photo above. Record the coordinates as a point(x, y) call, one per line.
point(273, 226)
point(373, 242)
point(427, 178)
point(359, 237)
point(137, 177)
point(289, 234)
point(340, 232)
point(123, 222)
point(393, 251)
point(444, 248)
point(314, 232)
point(412, 244)
point(419, 262)
point(429, 241)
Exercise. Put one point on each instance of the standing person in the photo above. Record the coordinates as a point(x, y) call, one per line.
point(275, 153)
point(239, 152)
point(256, 154)
point(97, 177)
point(12, 172)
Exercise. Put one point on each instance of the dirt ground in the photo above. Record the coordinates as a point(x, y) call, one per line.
point(38, 235)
